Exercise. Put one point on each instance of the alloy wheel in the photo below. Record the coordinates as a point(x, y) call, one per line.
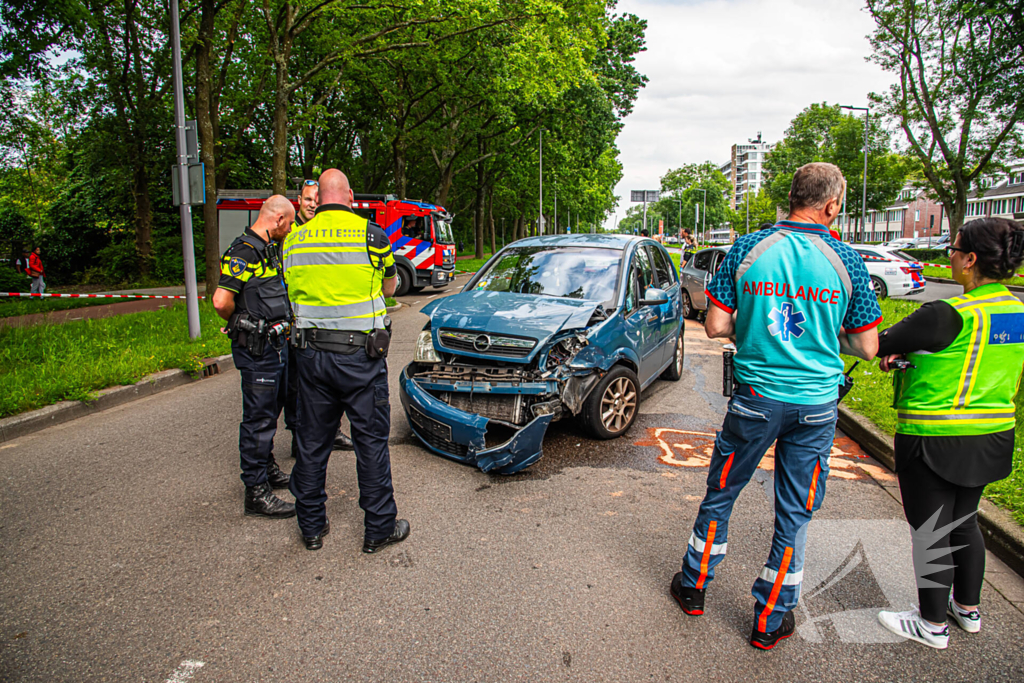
point(618, 405)
point(679, 354)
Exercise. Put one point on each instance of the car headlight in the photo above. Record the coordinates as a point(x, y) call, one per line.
point(425, 352)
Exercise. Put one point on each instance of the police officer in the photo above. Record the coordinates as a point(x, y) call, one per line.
point(308, 200)
point(794, 298)
point(339, 268)
point(252, 298)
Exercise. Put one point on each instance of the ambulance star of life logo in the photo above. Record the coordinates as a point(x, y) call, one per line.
point(786, 322)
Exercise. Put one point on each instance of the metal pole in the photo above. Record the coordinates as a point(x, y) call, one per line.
point(556, 205)
point(187, 248)
point(704, 216)
point(645, 209)
point(864, 195)
point(540, 210)
point(747, 194)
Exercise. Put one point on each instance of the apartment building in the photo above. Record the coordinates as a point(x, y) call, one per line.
point(915, 215)
point(745, 169)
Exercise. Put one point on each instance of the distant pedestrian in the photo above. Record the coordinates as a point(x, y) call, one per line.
point(36, 272)
point(21, 262)
point(955, 424)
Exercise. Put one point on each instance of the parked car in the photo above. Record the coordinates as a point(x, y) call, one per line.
point(900, 243)
point(891, 271)
point(933, 242)
point(550, 327)
point(696, 272)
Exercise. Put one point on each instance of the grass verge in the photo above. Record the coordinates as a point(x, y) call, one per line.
point(10, 307)
point(44, 364)
point(872, 397)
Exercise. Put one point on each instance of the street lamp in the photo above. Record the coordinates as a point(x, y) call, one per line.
point(540, 209)
point(704, 216)
point(864, 196)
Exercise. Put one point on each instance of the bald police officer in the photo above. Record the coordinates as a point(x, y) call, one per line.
point(252, 298)
point(339, 268)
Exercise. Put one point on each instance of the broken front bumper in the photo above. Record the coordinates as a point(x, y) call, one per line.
point(461, 436)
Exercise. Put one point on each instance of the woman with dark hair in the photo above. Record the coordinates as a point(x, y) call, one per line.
point(959, 364)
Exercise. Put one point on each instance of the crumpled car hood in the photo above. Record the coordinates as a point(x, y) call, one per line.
point(524, 315)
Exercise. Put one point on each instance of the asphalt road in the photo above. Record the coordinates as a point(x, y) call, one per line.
point(124, 556)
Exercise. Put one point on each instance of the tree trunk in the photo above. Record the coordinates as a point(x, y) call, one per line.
point(279, 178)
point(207, 140)
point(143, 208)
point(398, 155)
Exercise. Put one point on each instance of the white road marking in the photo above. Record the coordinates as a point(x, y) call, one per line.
point(185, 671)
point(432, 296)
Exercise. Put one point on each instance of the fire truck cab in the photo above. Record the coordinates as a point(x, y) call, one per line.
point(420, 232)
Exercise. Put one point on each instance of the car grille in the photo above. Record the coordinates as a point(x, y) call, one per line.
point(485, 344)
point(507, 407)
point(437, 434)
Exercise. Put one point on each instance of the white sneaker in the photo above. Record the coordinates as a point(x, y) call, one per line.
point(910, 625)
point(968, 621)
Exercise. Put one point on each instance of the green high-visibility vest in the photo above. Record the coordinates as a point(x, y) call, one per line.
point(332, 282)
point(968, 387)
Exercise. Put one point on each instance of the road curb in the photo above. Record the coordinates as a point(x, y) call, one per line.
point(948, 281)
point(33, 421)
point(1003, 536)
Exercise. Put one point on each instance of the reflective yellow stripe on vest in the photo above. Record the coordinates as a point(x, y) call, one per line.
point(331, 281)
point(968, 387)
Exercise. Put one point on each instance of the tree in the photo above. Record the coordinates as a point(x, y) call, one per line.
point(697, 185)
point(824, 133)
point(960, 95)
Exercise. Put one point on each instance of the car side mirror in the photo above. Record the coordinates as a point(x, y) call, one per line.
point(654, 297)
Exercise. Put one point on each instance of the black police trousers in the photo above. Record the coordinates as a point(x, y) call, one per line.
point(332, 384)
point(263, 396)
point(291, 395)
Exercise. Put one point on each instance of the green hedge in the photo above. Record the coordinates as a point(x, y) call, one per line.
point(927, 255)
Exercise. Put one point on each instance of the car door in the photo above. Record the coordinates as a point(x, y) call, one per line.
point(695, 276)
point(642, 322)
point(668, 313)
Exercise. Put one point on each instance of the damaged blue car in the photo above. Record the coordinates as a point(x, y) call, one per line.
point(551, 327)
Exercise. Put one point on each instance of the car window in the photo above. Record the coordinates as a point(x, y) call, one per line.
point(703, 260)
point(663, 268)
point(719, 257)
point(632, 296)
point(870, 256)
point(642, 262)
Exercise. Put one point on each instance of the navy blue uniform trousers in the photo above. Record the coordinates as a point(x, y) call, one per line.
point(263, 396)
point(803, 436)
point(332, 384)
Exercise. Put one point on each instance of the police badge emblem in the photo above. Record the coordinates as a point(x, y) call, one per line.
point(236, 266)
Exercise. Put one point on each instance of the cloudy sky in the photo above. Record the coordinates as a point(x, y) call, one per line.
point(722, 70)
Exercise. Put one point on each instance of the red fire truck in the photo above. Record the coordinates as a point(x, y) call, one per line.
point(420, 232)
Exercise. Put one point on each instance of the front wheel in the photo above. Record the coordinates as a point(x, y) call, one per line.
point(404, 281)
point(673, 372)
point(612, 406)
point(881, 291)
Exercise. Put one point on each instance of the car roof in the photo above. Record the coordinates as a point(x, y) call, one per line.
point(600, 240)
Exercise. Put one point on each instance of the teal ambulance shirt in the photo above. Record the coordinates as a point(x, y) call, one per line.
point(793, 288)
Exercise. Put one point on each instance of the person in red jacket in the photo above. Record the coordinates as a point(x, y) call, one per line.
point(35, 271)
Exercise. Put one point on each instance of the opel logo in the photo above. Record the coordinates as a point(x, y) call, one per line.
point(482, 343)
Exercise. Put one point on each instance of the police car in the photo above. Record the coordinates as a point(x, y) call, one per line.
point(892, 273)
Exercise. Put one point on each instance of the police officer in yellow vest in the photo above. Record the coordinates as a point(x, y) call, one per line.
point(251, 297)
point(339, 267)
point(961, 366)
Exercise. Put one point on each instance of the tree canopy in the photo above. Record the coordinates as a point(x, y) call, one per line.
point(433, 99)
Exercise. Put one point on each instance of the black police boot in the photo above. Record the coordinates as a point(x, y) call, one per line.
point(260, 500)
point(400, 533)
point(690, 599)
point(767, 641)
point(275, 477)
point(343, 443)
point(317, 542)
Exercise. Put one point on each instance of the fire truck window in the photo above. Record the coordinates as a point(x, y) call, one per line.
point(413, 227)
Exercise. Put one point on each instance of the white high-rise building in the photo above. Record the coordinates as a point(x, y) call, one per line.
point(745, 169)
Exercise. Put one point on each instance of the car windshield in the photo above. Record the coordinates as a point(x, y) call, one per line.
point(443, 232)
point(571, 272)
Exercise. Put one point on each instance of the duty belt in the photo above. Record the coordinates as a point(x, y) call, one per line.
point(337, 341)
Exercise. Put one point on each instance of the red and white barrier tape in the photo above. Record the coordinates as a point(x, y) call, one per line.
point(92, 296)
